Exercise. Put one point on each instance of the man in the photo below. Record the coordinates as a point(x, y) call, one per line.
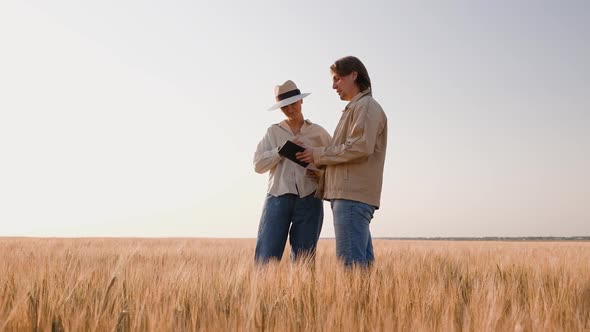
point(353, 162)
point(291, 207)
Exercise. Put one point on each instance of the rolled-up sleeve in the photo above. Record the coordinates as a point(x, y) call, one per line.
point(267, 154)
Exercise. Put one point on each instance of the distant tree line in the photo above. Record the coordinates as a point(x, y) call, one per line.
point(495, 238)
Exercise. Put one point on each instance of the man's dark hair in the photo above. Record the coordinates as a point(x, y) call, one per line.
point(347, 65)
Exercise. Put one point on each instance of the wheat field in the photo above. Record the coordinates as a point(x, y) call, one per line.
point(213, 285)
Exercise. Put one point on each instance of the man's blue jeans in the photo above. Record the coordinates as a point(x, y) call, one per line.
point(353, 237)
point(299, 218)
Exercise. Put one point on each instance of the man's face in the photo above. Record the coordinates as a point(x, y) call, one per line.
point(345, 86)
point(292, 111)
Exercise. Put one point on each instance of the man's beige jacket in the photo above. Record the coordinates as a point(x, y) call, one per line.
point(355, 158)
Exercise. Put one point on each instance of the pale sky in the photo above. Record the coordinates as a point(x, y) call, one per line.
point(141, 118)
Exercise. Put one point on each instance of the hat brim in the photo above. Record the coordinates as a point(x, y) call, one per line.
point(288, 101)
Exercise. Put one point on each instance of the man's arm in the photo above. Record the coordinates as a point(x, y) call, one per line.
point(360, 141)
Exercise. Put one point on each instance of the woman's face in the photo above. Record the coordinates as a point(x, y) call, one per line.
point(293, 111)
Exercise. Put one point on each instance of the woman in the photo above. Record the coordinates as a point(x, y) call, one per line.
point(290, 209)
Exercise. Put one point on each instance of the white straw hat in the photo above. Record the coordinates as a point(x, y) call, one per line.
point(287, 94)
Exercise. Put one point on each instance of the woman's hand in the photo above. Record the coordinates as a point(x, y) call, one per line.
point(299, 142)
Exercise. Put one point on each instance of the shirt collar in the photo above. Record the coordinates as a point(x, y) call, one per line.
point(283, 124)
point(358, 96)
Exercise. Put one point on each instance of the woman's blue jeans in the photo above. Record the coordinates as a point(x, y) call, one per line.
point(289, 215)
point(353, 236)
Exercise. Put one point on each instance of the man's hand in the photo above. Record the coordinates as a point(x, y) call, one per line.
point(305, 156)
point(312, 175)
